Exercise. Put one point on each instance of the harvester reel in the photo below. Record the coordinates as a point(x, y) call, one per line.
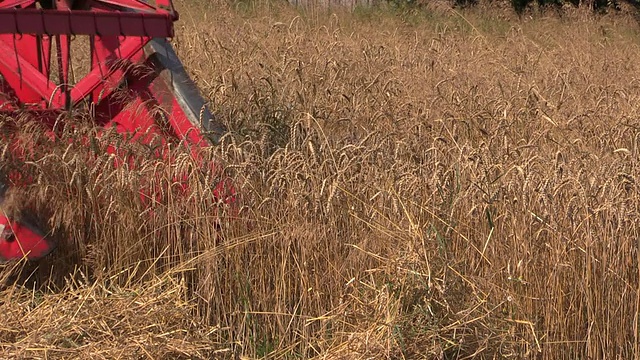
point(38, 43)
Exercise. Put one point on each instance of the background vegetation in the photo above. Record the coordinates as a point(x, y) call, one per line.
point(433, 184)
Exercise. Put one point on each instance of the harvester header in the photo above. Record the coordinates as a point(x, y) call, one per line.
point(138, 20)
point(107, 58)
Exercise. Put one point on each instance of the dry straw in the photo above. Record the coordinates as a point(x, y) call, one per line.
point(426, 185)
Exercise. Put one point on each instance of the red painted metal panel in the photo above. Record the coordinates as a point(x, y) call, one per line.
point(180, 124)
point(19, 240)
point(16, 3)
point(105, 69)
point(131, 4)
point(85, 22)
point(101, 50)
point(63, 54)
point(29, 84)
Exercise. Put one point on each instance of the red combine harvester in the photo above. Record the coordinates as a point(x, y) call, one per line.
point(122, 37)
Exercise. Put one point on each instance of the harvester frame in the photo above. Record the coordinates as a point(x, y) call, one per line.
point(122, 36)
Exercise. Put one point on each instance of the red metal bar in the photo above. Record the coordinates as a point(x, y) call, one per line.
point(15, 3)
point(85, 22)
point(101, 50)
point(104, 70)
point(21, 74)
point(11, 74)
point(131, 4)
point(43, 46)
point(63, 43)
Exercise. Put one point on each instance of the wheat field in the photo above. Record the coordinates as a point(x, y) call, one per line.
point(433, 184)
